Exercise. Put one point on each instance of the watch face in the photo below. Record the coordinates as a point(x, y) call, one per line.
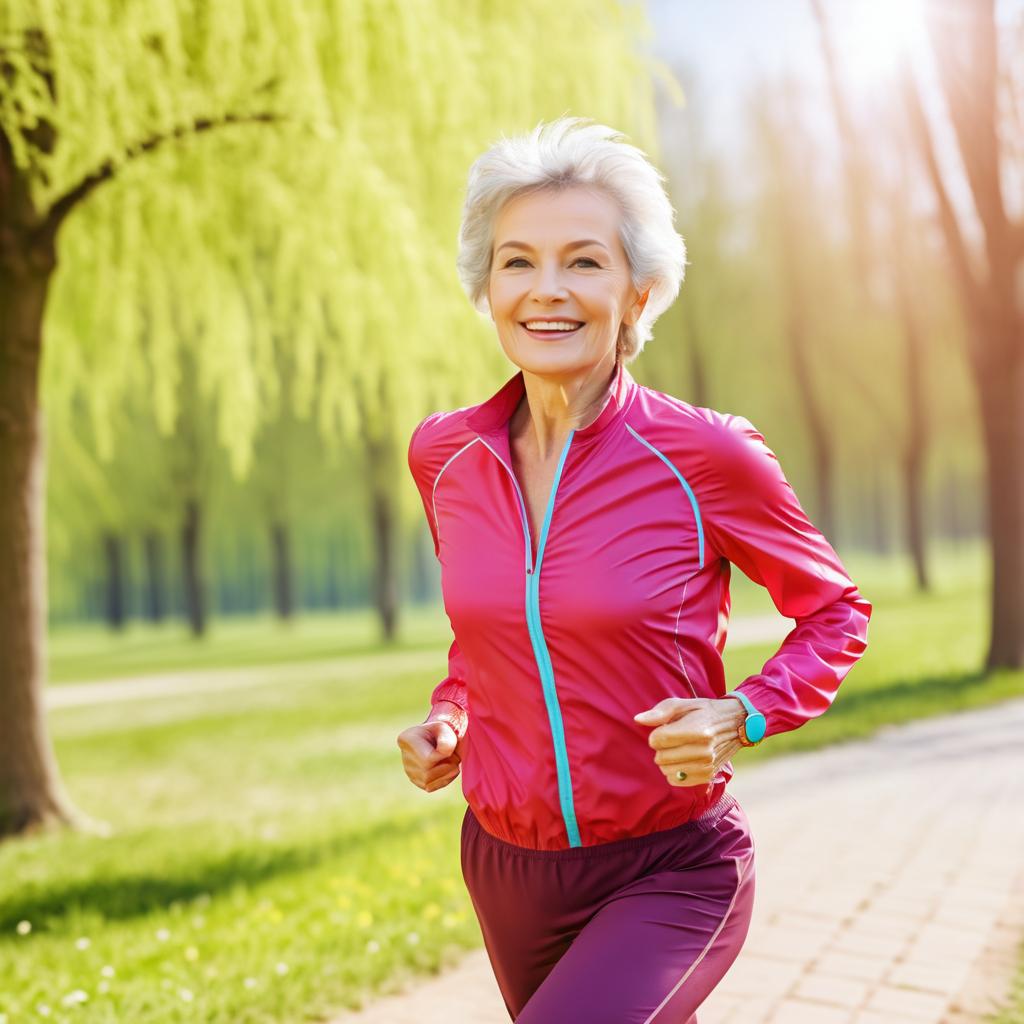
point(756, 727)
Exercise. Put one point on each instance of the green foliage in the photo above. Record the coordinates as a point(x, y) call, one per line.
point(327, 230)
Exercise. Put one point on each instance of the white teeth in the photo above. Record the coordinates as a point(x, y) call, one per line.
point(552, 325)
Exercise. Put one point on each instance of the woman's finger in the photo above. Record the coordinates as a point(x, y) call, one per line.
point(441, 782)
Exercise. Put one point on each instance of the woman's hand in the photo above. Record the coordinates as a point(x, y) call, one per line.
point(431, 754)
point(695, 734)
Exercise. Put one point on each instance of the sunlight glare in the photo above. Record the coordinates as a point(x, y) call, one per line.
point(873, 35)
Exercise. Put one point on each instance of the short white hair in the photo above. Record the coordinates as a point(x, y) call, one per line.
point(567, 152)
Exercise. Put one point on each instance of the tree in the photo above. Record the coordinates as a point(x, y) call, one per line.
point(156, 148)
point(970, 65)
point(892, 286)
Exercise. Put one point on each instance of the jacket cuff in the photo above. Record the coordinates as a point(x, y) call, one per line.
point(763, 699)
point(454, 714)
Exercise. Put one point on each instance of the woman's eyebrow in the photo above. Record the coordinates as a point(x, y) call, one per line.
point(572, 245)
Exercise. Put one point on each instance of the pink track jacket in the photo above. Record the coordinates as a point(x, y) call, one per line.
point(620, 601)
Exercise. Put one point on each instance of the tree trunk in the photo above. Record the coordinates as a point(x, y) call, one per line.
point(698, 372)
point(282, 569)
point(381, 474)
point(332, 593)
point(153, 557)
point(1002, 413)
point(951, 516)
point(818, 428)
point(385, 589)
point(794, 186)
point(32, 794)
point(965, 40)
point(113, 551)
point(195, 598)
point(878, 512)
point(916, 447)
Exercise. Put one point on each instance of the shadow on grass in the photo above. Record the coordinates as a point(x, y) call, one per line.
point(125, 896)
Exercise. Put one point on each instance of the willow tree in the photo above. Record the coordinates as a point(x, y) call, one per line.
point(155, 148)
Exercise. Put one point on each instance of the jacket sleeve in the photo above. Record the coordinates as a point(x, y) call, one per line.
point(752, 517)
point(449, 700)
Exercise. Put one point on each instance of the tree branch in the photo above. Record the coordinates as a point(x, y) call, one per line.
point(969, 285)
point(85, 187)
point(967, 59)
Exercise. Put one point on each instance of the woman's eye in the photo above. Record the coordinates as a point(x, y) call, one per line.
point(521, 259)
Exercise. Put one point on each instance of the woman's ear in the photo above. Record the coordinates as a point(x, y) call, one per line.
point(637, 308)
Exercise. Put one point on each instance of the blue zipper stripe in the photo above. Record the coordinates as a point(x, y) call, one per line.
point(540, 647)
point(686, 487)
point(547, 674)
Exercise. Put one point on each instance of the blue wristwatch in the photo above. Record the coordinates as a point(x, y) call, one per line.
point(752, 731)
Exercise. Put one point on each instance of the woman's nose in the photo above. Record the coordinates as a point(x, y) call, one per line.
point(548, 283)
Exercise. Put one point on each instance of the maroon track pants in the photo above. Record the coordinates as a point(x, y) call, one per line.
point(633, 931)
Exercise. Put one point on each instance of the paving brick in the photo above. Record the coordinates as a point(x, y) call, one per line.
point(798, 1011)
point(852, 965)
point(755, 1008)
point(785, 943)
point(855, 940)
point(752, 975)
point(873, 1017)
point(910, 1002)
point(946, 980)
point(833, 989)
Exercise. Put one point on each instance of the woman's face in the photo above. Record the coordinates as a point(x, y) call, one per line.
point(557, 257)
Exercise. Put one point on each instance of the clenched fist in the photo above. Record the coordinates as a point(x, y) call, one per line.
point(431, 754)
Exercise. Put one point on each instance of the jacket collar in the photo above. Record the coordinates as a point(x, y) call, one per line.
point(492, 416)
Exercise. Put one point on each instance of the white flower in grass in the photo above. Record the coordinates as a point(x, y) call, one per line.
point(82, 943)
point(76, 997)
point(281, 969)
point(198, 921)
point(43, 1010)
point(103, 987)
point(412, 938)
point(107, 971)
point(3, 1018)
point(162, 934)
point(249, 983)
point(373, 946)
point(24, 927)
point(191, 953)
point(186, 995)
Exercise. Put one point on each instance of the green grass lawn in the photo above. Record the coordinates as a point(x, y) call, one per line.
point(269, 860)
point(85, 653)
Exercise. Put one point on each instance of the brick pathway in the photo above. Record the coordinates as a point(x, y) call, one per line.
point(890, 886)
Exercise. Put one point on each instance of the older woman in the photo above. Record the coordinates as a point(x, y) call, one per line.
point(585, 526)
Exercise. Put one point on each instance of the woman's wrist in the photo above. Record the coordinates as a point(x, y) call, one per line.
point(738, 718)
point(454, 714)
point(739, 709)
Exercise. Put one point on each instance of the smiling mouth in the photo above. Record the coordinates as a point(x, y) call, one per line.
point(552, 329)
